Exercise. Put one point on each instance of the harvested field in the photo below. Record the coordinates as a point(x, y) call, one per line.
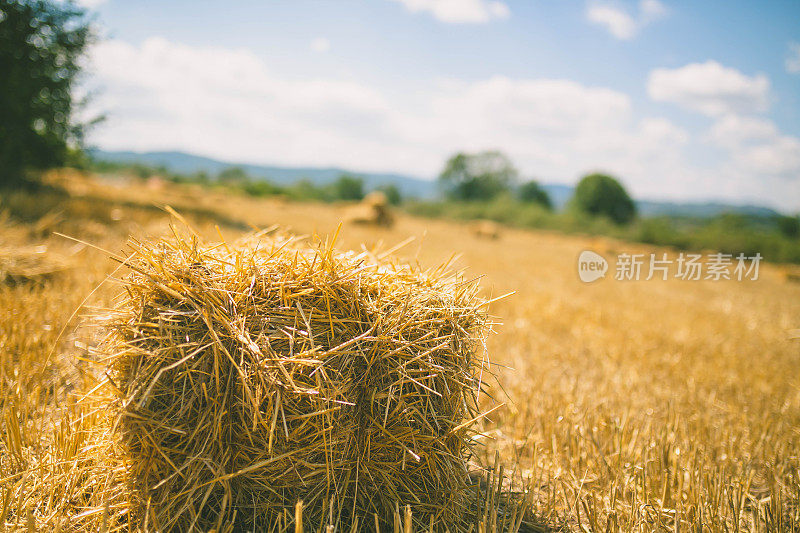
point(627, 406)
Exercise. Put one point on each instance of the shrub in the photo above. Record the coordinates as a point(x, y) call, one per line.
point(392, 193)
point(602, 195)
point(480, 176)
point(789, 226)
point(531, 192)
point(348, 187)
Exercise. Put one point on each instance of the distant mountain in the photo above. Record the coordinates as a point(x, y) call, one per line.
point(559, 194)
point(184, 163)
point(701, 209)
point(410, 187)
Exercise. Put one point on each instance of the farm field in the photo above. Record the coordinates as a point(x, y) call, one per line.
point(627, 405)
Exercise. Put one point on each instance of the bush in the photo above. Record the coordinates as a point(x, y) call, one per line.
point(261, 188)
point(348, 187)
point(392, 193)
point(305, 189)
point(233, 176)
point(480, 176)
point(789, 226)
point(532, 193)
point(601, 195)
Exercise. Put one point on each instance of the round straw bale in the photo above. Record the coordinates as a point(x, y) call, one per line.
point(485, 229)
point(255, 376)
point(369, 214)
point(375, 198)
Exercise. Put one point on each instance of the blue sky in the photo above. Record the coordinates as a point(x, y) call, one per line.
point(682, 100)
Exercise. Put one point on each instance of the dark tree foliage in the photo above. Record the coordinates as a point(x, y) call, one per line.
point(598, 194)
point(789, 226)
point(531, 192)
point(348, 187)
point(480, 176)
point(41, 42)
point(392, 193)
point(233, 176)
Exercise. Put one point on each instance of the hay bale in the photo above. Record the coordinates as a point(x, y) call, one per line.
point(255, 376)
point(485, 229)
point(156, 183)
point(372, 210)
point(790, 273)
point(29, 264)
point(375, 198)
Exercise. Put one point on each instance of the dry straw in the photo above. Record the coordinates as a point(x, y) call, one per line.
point(29, 264)
point(257, 375)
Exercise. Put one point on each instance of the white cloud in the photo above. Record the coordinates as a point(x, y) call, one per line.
point(710, 88)
point(320, 44)
point(757, 146)
point(651, 10)
point(460, 11)
point(90, 4)
point(780, 157)
point(733, 131)
point(227, 103)
point(622, 24)
point(618, 23)
point(793, 60)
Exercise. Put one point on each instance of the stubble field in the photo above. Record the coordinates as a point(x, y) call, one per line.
point(628, 406)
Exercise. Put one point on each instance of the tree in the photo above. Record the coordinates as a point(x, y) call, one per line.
point(598, 194)
point(531, 192)
point(789, 226)
point(392, 193)
point(233, 176)
point(348, 187)
point(480, 176)
point(41, 42)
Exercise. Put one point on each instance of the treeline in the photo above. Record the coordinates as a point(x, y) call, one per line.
point(485, 176)
point(486, 185)
point(776, 237)
point(346, 187)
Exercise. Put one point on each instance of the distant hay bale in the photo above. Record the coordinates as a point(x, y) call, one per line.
point(373, 210)
point(790, 273)
point(155, 183)
point(485, 229)
point(29, 264)
point(375, 198)
point(255, 376)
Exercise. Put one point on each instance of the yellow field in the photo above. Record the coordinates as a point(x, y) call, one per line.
point(629, 406)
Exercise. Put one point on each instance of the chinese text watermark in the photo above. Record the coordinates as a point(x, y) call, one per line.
point(686, 266)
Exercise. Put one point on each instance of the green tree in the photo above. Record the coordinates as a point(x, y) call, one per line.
point(261, 187)
point(532, 193)
point(305, 189)
point(348, 187)
point(233, 176)
point(480, 176)
point(201, 177)
point(789, 226)
point(598, 194)
point(41, 42)
point(392, 193)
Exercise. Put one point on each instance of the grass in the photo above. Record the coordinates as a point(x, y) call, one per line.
point(628, 406)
